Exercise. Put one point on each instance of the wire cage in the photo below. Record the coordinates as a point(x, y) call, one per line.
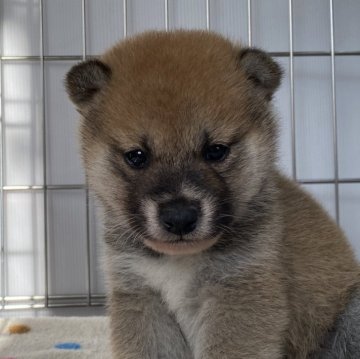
point(49, 231)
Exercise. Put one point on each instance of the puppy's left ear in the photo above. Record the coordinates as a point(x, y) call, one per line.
point(264, 73)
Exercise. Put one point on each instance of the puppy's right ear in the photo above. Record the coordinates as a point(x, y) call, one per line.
point(85, 80)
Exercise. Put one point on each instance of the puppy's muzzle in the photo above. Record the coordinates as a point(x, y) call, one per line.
point(179, 216)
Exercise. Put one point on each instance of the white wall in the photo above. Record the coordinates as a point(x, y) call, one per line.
point(23, 110)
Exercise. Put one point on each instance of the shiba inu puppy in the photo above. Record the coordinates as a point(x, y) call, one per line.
point(210, 252)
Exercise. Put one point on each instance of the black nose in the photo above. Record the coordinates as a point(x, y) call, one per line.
point(178, 216)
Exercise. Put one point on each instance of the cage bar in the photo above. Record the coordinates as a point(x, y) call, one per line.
point(41, 187)
point(88, 246)
point(207, 14)
point(82, 186)
point(46, 233)
point(292, 92)
point(125, 17)
point(2, 218)
point(271, 53)
point(249, 22)
point(334, 117)
point(166, 14)
point(55, 301)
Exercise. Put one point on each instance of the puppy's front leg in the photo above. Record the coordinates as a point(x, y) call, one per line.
point(141, 328)
point(240, 325)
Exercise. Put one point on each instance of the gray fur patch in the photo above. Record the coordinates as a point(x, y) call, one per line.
point(343, 342)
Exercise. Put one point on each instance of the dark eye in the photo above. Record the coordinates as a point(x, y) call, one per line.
point(215, 153)
point(136, 158)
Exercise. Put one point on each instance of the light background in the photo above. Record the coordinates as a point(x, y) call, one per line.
point(49, 234)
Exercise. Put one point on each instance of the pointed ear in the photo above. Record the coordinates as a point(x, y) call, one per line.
point(85, 80)
point(261, 70)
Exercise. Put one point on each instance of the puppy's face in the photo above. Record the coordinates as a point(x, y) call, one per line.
point(177, 137)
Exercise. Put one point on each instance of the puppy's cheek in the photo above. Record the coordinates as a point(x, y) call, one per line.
point(247, 176)
point(103, 181)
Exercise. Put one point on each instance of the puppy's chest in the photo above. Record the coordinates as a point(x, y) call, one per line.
point(172, 278)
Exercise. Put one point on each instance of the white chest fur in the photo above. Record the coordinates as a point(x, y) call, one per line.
point(171, 277)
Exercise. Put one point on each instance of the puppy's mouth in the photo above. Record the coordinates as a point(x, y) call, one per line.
point(180, 246)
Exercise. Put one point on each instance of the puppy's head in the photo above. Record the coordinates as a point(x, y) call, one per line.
point(177, 136)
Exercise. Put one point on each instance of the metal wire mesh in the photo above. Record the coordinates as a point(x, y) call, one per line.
point(90, 298)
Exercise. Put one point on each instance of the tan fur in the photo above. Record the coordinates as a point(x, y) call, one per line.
point(288, 275)
point(320, 265)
